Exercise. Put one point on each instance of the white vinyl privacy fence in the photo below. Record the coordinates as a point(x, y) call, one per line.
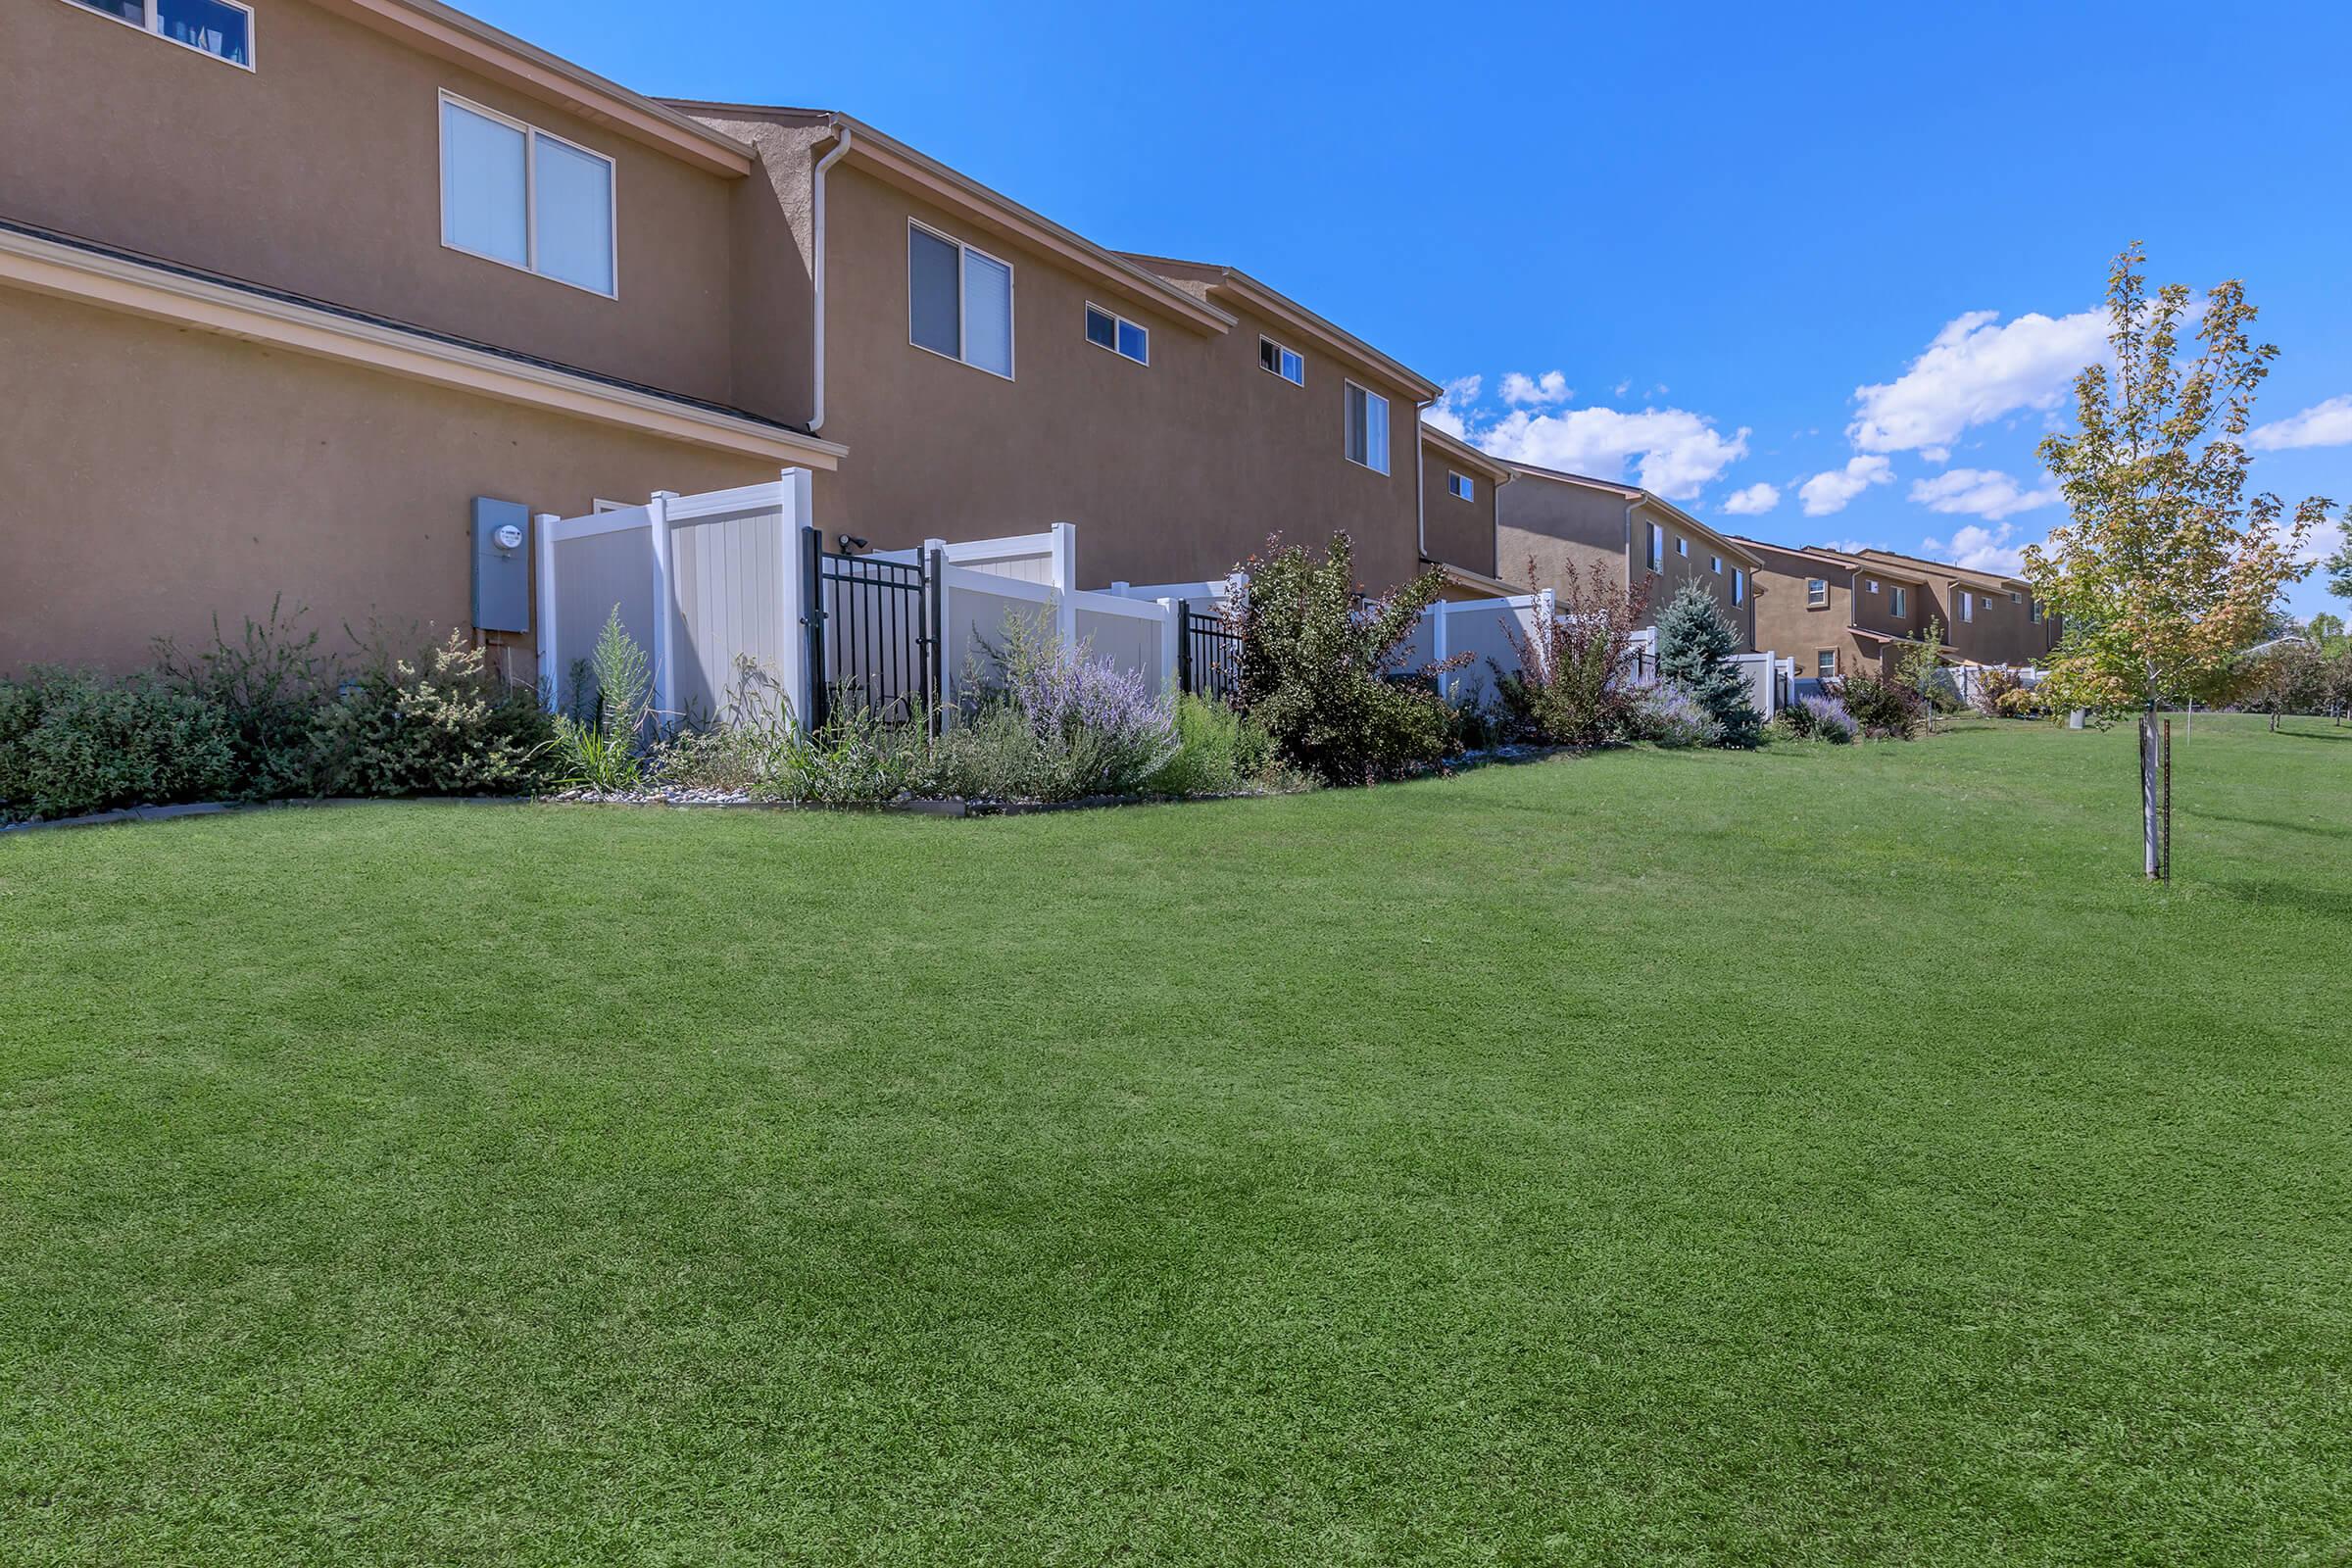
point(708, 584)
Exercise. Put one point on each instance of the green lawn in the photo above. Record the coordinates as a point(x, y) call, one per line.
point(1805, 1157)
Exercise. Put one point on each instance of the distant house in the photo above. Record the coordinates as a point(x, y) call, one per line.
point(1835, 611)
point(1563, 523)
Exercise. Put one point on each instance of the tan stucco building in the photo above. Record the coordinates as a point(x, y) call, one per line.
point(1552, 526)
point(423, 262)
point(1835, 611)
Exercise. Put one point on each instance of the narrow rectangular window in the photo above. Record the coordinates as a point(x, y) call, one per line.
point(1107, 330)
point(1825, 662)
point(1738, 586)
point(1273, 356)
point(221, 28)
point(1715, 565)
point(959, 301)
point(1682, 547)
point(1897, 600)
point(1367, 415)
point(1968, 608)
point(1817, 593)
point(1462, 485)
point(515, 194)
point(1657, 547)
point(2034, 610)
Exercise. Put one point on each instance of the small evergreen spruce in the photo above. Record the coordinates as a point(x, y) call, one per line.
point(1695, 645)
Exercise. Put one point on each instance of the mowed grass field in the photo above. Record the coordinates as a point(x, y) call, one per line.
point(1815, 1156)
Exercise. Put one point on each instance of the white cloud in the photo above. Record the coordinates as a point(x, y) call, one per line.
point(1678, 451)
point(1753, 502)
point(1980, 549)
point(1829, 492)
point(2322, 424)
point(1974, 372)
point(1451, 412)
point(1980, 493)
point(1550, 387)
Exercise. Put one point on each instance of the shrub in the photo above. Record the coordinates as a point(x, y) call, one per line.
point(1573, 686)
point(270, 687)
point(438, 722)
point(1316, 671)
point(1695, 645)
point(72, 743)
point(1218, 752)
point(735, 749)
point(855, 760)
point(1884, 710)
point(1671, 716)
point(1990, 691)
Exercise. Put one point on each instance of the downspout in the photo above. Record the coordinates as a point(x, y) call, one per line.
point(816, 274)
point(1420, 485)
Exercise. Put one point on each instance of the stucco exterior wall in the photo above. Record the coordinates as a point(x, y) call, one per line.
point(1688, 556)
point(154, 477)
point(1786, 623)
point(1172, 470)
point(1458, 532)
point(319, 172)
point(1563, 530)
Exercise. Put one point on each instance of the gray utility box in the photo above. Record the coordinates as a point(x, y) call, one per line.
point(502, 565)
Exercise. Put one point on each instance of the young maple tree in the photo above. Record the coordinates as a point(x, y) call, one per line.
point(2167, 566)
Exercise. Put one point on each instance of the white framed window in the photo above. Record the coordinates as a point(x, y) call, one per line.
point(1657, 547)
point(1460, 486)
point(1817, 593)
point(1108, 329)
point(1367, 427)
point(527, 198)
point(1870, 585)
point(1825, 662)
point(1738, 586)
point(1896, 601)
point(1682, 547)
point(1715, 565)
point(1285, 362)
point(221, 28)
point(959, 301)
point(2034, 611)
point(1968, 608)
point(2015, 600)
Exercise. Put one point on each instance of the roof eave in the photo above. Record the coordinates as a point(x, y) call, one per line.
point(450, 34)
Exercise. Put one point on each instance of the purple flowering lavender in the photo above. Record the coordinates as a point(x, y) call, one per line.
point(1826, 719)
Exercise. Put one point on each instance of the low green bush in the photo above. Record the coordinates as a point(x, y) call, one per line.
point(74, 742)
point(1665, 715)
point(1220, 752)
point(271, 686)
point(440, 722)
point(856, 760)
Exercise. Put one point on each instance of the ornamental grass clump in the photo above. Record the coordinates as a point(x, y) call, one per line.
point(1826, 719)
point(1667, 715)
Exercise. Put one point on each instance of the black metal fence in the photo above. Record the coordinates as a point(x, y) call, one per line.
point(1208, 653)
point(873, 636)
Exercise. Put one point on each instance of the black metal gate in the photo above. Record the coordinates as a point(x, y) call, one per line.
point(873, 636)
point(1208, 653)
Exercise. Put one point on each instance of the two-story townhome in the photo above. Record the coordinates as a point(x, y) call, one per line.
point(284, 287)
point(995, 371)
point(1562, 523)
point(1988, 618)
point(288, 289)
point(1459, 486)
point(1836, 613)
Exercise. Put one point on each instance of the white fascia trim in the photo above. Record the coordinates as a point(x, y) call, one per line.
point(113, 283)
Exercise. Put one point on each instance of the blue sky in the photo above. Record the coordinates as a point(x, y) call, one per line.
point(1696, 232)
